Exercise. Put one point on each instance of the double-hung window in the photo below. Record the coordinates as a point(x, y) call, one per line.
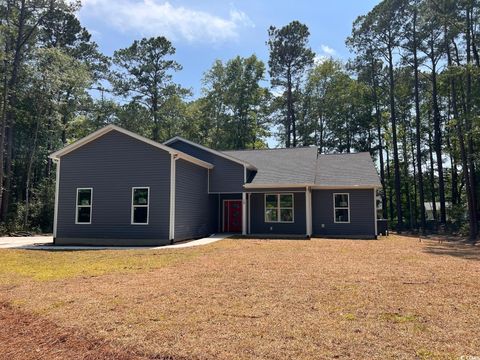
point(341, 204)
point(83, 213)
point(279, 208)
point(140, 205)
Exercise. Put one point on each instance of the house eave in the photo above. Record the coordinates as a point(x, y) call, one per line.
point(312, 186)
point(341, 187)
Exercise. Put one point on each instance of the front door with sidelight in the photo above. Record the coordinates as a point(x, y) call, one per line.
point(232, 215)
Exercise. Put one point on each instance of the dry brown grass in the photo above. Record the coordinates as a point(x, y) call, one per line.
point(237, 299)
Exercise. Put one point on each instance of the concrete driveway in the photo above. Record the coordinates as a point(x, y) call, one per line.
point(46, 243)
point(21, 241)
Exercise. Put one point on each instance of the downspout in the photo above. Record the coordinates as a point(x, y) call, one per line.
point(174, 158)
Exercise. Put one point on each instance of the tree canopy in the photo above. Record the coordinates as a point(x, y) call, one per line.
point(409, 95)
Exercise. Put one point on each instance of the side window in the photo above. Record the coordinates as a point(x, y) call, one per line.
point(279, 208)
point(140, 205)
point(83, 213)
point(341, 205)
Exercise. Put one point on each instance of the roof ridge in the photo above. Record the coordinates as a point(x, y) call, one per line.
point(351, 153)
point(272, 149)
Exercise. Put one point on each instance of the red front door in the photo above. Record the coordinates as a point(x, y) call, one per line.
point(232, 215)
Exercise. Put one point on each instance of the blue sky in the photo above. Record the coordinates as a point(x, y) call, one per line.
point(203, 31)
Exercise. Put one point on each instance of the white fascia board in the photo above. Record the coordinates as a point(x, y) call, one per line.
point(274, 186)
point(312, 186)
point(95, 135)
point(216, 152)
point(344, 187)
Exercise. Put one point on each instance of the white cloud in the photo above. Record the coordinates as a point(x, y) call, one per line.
point(153, 18)
point(319, 59)
point(328, 50)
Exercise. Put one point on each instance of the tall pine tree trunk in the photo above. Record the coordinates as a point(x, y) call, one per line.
point(437, 140)
point(432, 177)
point(418, 126)
point(463, 154)
point(396, 162)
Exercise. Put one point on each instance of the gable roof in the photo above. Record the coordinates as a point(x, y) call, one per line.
point(223, 154)
point(299, 167)
point(105, 130)
point(346, 170)
point(280, 167)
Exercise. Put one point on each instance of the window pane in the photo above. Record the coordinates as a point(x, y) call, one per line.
point(83, 214)
point(140, 196)
point(271, 201)
point(341, 215)
point(84, 197)
point(286, 201)
point(271, 215)
point(140, 215)
point(341, 200)
point(286, 215)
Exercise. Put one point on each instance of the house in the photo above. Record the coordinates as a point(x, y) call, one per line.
point(115, 187)
point(429, 213)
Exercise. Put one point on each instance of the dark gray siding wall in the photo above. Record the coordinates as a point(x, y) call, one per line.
point(362, 217)
point(112, 165)
point(214, 212)
point(192, 210)
point(226, 176)
point(257, 217)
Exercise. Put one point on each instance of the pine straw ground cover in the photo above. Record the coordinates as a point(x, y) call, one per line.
point(239, 299)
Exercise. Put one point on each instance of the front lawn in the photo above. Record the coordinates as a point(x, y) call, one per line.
point(236, 299)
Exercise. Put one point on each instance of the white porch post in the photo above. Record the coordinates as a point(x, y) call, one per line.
point(244, 213)
point(375, 210)
point(308, 204)
point(248, 218)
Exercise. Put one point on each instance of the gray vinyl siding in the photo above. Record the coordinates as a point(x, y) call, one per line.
point(226, 176)
point(257, 216)
point(362, 216)
point(112, 165)
point(192, 210)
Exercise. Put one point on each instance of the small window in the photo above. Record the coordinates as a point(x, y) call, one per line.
point(83, 214)
point(279, 208)
point(140, 204)
point(341, 204)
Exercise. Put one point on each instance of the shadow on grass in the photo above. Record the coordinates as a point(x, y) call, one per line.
point(455, 249)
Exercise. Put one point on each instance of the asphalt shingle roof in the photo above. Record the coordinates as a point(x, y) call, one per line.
point(303, 166)
point(355, 169)
point(281, 166)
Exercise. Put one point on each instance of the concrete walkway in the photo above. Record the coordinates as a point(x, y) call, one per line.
point(46, 243)
point(21, 241)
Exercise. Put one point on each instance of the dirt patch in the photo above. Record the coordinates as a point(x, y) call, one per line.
point(393, 298)
point(25, 336)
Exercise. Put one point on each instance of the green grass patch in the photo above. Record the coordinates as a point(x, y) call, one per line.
point(57, 265)
point(349, 316)
point(399, 318)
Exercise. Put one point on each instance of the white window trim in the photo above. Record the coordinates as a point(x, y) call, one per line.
point(79, 206)
point(278, 208)
point(134, 206)
point(341, 208)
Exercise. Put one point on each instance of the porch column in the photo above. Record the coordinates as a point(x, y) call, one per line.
point(375, 211)
point(244, 213)
point(308, 205)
